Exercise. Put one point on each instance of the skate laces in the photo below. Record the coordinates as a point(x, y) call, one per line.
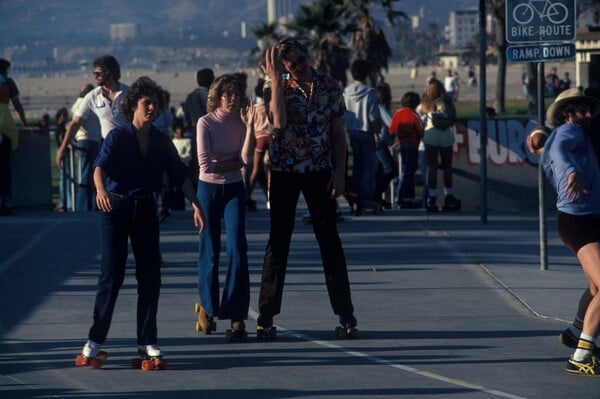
point(90, 349)
point(150, 350)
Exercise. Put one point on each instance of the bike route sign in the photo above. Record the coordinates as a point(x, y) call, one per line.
point(540, 21)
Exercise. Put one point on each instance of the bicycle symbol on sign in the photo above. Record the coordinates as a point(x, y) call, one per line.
point(556, 13)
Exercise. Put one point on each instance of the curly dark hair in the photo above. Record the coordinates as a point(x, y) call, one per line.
point(142, 87)
point(108, 64)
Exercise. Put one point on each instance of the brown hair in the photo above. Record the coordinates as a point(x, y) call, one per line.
point(222, 84)
point(433, 91)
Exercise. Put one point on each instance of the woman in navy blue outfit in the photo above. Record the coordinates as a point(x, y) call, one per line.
point(128, 174)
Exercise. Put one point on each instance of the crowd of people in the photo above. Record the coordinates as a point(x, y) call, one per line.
point(294, 135)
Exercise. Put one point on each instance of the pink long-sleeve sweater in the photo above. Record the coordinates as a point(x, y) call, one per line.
point(219, 137)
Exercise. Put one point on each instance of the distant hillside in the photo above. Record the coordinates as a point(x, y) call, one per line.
point(33, 30)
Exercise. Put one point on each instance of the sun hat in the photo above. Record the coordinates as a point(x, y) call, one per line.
point(569, 95)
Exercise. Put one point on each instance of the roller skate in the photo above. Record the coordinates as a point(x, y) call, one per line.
point(151, 358)
point(367, 206)
point(91, 355)
point(265, 329)
point(237, 332)
point(347, 328)
point(205, 324)
point(432, 204)
point(451, 203)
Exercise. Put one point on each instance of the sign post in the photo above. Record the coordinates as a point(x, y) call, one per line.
point(540, 31)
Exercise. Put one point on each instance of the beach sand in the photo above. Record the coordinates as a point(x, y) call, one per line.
point(47, 94)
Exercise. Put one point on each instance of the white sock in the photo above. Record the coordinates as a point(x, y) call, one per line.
point(585, 346)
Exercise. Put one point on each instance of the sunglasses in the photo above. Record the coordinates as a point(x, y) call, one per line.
point(299, 61)
point(97, 74)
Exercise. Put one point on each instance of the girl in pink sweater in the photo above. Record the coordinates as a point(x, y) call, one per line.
point(220, 137)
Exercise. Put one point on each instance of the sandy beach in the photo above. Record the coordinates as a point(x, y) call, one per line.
point(46, 94)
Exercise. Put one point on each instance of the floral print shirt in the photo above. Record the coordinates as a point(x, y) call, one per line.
point(304, 145)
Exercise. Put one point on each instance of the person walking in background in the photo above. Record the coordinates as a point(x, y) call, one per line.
point(439, 141)
point(258, 139)
point(87, 145)
point(104, 101)
point(308, 156)
point(184, 149)
point(407, 128)
point(386, 168)
point(362, 123)
point(195, 107)
point(128, 174)
point(525, 82)
point(9, 134)
point(222, 195)
point(451, 85)
point(67, 166)
point(570, 165)
point(163, 123)
point(471, 77)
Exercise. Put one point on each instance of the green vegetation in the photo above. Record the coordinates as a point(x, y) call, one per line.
point(469, 109)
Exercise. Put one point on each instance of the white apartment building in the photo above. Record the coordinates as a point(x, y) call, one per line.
point(123, 32)
point(462, 26)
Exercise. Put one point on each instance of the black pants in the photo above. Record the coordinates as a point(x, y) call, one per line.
point(284, 192)
point(5, 174)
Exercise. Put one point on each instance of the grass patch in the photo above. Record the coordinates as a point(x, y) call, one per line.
point(469, 109)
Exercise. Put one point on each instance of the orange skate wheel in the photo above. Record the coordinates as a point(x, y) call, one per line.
point(160, 364)
point(147, 365)
point(197, 307)
point(81, 360)
point(96, 363)
point(136, 363)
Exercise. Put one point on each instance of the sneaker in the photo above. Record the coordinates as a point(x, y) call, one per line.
point(588, 367)
point(150, 350)
point(568, 339)
point(90, 349)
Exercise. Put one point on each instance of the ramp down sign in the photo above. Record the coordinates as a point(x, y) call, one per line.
point(540, 52)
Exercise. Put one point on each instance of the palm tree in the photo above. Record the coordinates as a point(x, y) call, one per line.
point(266, 34)
point(497, 9)
point(322, 26)
point(368, 41)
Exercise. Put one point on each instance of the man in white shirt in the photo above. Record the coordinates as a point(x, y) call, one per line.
point(451, 85)
point(102, 102)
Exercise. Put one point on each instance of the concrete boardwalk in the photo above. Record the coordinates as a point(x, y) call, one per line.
point(448, 307)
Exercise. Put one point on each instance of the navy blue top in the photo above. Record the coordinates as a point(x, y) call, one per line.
point(128, 172)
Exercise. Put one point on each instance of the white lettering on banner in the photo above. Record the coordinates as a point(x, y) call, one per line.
point(505, 144)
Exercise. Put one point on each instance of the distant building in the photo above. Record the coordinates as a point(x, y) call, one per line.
point(462, 26)
point(279, 9)
point(123, 32)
